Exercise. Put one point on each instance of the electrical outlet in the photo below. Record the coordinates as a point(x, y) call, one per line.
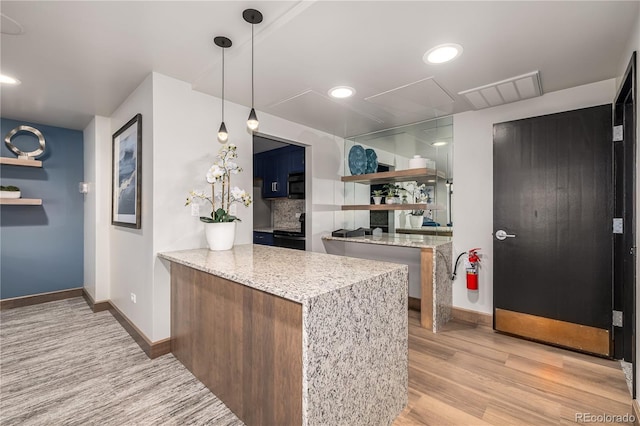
point(195, 209)
point(298, 215)
point(233, 210)
point(133, 298)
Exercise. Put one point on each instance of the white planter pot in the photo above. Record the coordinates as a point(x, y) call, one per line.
point(389, 200)
point(9, 194)
point(377, 200)
point(415, 221)
point(220, 236)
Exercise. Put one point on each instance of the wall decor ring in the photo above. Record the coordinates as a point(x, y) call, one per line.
point(21, 154)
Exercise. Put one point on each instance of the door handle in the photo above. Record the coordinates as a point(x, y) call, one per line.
point(502, 235)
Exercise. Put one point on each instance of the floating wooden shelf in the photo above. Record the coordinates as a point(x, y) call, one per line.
point(421, 175)
point(385, 207)
point(20, 201)
point(17, 162)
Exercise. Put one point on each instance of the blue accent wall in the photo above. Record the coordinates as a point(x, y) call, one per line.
point(41, 247)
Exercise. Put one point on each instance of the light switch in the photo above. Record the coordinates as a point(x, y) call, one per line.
point(195, 209)
point(83, 187)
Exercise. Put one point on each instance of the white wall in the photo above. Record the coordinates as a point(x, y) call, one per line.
point(473, 177)
point(97, 219)
point(185, 146)
point(131, 250)
point(633, 44)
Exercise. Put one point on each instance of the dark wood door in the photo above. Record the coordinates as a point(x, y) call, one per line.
point(552, 186)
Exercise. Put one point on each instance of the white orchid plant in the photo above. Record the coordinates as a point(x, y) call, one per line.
point(222, 199)
point(420, 194)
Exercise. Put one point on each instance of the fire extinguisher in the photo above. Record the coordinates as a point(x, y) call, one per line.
point(471, 265)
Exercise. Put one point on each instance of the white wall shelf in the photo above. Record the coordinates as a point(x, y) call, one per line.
point(18, 162)
point(20, 201)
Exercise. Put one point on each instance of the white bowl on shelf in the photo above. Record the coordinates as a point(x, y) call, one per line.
point(10, 194)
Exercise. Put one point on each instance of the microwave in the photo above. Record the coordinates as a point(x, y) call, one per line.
point(295, 185)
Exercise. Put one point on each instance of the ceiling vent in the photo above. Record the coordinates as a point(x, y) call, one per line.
point(506, 91)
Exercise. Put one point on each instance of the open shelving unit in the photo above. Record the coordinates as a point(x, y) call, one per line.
point(421, 175)
point(385, 207)
point(20, 201)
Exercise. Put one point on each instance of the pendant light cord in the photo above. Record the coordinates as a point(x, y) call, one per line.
point(252, 66)
point(223, 84)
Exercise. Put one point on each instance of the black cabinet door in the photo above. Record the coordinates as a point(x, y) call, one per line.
point(552, 186)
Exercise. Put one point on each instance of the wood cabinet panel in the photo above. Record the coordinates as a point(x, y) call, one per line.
point(243, 344)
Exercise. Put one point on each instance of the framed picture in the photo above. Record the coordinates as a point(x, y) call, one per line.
point(127, 174)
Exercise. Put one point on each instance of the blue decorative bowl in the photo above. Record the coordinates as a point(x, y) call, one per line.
point(372, 161)
point(357, 160)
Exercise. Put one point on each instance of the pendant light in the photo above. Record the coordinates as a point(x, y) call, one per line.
point(253, 17)
point(224, 43)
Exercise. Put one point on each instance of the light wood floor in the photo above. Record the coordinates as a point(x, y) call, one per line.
point(470, 375)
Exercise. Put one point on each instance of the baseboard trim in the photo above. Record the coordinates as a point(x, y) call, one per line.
point(95, 306)
point(35, 299)
point(635, 409)
point(414, 303)
point(152, 349)
point(473, 317)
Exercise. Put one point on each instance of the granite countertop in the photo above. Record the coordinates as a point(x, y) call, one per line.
point(269, 230)
point(292, 274)
point(400, 240)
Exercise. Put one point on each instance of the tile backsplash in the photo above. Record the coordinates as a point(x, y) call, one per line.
point(284, 213)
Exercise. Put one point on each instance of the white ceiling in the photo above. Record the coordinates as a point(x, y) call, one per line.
point(79, 59)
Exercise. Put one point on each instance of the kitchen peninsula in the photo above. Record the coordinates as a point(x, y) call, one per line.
point(429, 262)
point(292, 337)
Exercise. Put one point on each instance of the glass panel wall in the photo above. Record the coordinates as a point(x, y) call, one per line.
point(395, 149)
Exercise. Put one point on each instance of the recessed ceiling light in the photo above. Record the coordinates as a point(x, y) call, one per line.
point(442, 53)
point(439, 143)
point(5, 79)
point(431, 181)
point(341, 92)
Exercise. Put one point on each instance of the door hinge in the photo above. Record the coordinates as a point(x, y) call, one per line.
point(617, 318)
point(618, 226)
point(618, 133)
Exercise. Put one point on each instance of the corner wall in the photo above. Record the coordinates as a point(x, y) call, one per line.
point(473, 177)
point(97, 219)
point(131, 250)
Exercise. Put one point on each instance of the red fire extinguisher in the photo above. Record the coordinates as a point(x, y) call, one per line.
point(471, 265)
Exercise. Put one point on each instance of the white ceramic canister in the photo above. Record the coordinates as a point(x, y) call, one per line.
point(417, 162)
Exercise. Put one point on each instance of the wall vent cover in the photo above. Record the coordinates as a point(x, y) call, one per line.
point(506, 91)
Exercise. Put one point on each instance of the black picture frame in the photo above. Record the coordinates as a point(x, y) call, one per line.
point(126, 195)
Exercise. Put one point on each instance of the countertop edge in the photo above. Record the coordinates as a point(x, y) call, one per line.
point(269, 289)
point(369, 240)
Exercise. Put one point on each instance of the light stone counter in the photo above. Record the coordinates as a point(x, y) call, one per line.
point(354, 325)
point(400, 240)
point(429, 259)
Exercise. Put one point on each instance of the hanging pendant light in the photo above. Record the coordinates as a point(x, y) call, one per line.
point(253, 17)
point(224, 43)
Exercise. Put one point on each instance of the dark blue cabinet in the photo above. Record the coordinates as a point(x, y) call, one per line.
point(296, 159)
point(274, 167)
point(264, 238)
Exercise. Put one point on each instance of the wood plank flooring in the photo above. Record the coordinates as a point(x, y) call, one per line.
point(470, 375)
point(62, 364)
